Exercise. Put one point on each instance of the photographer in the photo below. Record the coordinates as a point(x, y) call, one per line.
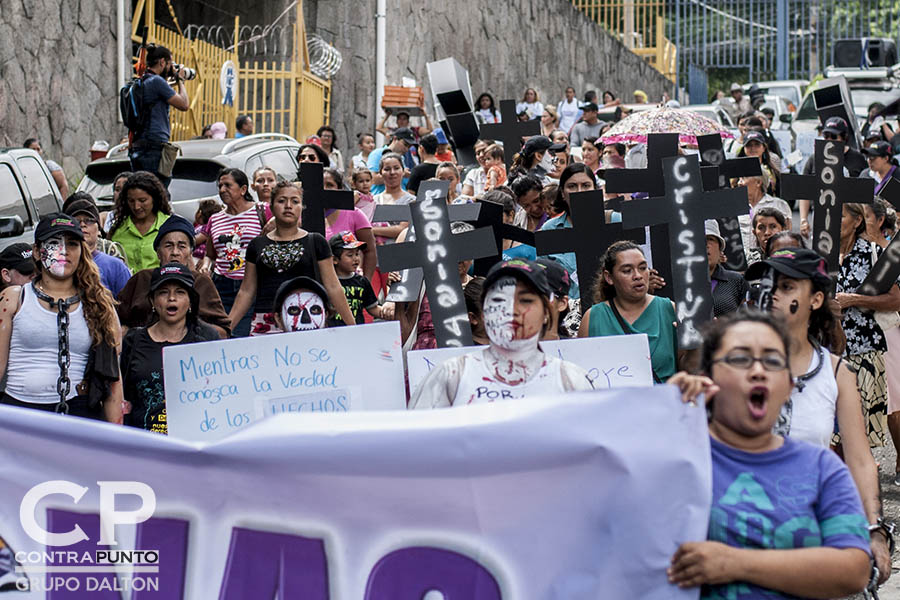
point(150, 139)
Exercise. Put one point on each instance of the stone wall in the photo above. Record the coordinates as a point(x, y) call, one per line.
point(506, 46)
point(58, 76)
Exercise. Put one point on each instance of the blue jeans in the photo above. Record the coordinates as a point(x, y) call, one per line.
point(228, 289)
point(146, 158)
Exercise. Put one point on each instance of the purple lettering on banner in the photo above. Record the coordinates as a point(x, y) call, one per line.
point(90, 586)
point(168, 537)
point(410, 573)
point(263, 564)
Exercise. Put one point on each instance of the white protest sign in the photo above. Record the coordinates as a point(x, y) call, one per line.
point(613, 361)
point(216, 388)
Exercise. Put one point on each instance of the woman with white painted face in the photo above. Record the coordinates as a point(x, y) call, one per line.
point(301, 304)
point(516, 313)
point(65, 301)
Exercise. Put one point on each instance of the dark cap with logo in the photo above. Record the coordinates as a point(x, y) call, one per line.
point(56, 224)
point(557, 276)
point(177, 273)
point(754, 136)
point(18, 257)
point(836, 126)
point(882, 149)
point(522, 269)
point(796, 263)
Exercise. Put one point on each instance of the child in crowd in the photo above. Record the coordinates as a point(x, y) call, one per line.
point(493, 164)
point(361, 183)
point(346, 252)
point(302, 304)
point(205, 210)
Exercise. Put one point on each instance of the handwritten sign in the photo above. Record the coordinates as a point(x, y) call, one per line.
point(216, 388)
point(828, 189)
point(614, 361)
point(684, 208)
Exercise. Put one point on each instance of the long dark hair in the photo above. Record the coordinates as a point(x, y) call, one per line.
point(559, 203)
point(336, 176)
point(320, 152)
point(603, 291)
point(491, 108)
point(821, 320)
point(147, 182)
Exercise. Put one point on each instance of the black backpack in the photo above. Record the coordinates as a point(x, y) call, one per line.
point(131, 104)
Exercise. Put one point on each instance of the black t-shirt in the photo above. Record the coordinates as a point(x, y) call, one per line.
point(359, 295)
point(276, 262)
point(420, 173)
point(142, 375)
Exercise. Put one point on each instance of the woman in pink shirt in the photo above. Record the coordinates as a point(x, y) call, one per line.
point(350, 220)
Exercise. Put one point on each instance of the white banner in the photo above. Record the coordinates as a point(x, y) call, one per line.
point(216, 388)
point(611, 361)
point(578, 498)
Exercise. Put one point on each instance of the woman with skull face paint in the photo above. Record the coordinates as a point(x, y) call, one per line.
point(65, 301)
point(287, 252)
point(516, 313)
point(301, 304)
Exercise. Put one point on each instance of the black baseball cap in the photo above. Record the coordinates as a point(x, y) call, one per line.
point(590, 106)
point(56, 224)
point(522, 269)
point(537, 143)
point(874, 134)
point(796, 263)
point(405, 134)
point(880, 148)
point(297, 283)
point(560, 147)
point(557, 276)
point(344, 240)
point(836, 126)
point(178, 273)
point(754, 136)
point(18, 257)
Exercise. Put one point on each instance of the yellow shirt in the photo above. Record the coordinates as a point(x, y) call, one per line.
point(139, 248)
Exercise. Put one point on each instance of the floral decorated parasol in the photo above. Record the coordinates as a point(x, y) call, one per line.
point(688, 125)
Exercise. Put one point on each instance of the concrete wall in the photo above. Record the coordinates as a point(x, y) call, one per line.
point(58, 76)
point(506, 46)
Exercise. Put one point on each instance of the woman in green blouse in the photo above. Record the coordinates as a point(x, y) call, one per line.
point(623, 305)
point(141, 208)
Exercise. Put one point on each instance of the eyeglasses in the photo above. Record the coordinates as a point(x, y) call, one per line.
point(309, 158)
point(86, 221)
point(772, 361)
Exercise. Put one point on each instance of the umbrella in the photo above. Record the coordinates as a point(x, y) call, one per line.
point(635, 127)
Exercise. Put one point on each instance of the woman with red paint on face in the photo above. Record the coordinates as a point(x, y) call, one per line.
point(516, 314)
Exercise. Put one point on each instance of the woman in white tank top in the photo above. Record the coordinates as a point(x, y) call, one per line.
point(825, 389)
point(67, 288)
point(516, 305)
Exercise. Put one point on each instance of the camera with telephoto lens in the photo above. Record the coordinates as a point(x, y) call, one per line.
point(760, 294)
point(183, 72)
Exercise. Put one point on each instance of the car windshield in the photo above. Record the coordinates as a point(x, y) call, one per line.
point(862, 98)
point(788, 92)
point(179, 189)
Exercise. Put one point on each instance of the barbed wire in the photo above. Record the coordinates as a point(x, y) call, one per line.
point(324, 59)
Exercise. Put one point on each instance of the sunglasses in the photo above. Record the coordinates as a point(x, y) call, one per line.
point(309, 158)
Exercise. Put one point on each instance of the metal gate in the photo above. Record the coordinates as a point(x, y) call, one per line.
point(772, 39)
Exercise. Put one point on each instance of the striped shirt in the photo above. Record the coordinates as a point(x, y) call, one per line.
point(230, 235)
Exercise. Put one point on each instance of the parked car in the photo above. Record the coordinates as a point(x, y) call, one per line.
point(196, 168)
point(28, 193)
point(791, 90)
point(607, 114)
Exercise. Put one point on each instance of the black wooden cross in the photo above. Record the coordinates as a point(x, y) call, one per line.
point(589, 237)
point(685, 206)
point(316, 198)
point(438, 252)
point(828, 189)
point(407, 289)
point(491, 215)
point(890, 193)
point(510, 131)
point(650, 181)
point(716, 171)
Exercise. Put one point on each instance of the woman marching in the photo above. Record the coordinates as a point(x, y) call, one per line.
point(516, 313)
point(809, 537)
point(59, 335)
point(282, 254)
point(175, 308)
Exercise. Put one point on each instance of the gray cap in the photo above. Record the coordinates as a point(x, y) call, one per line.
point(712, 229)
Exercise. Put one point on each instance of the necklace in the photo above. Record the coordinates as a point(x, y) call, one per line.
point(802, 379)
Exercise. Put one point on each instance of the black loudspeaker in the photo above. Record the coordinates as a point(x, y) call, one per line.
point(856, 53)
